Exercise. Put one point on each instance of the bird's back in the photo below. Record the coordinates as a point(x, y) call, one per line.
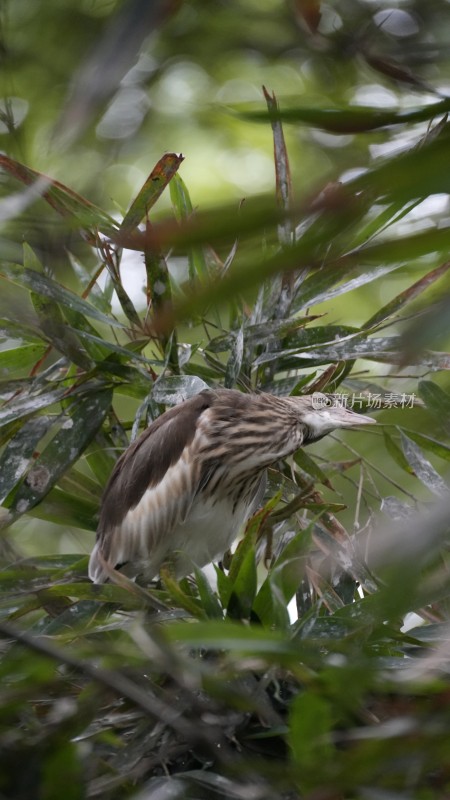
point(174, 491)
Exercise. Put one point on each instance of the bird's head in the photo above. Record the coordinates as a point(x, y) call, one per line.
point(323, 413)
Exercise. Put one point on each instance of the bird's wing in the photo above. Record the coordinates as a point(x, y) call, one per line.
point(150, 491)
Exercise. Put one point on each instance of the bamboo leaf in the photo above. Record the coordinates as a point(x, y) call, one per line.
point(352, 119)
point(29, 405)
point(407, 295)
point(54, 327)
point(152, 189)
point(208, 597)
point(437, 401)
point(308, 465)
point(15, 459)
point(172, 390)
point(282, 582)
point(244, 586)
point(282, 169)
point(422, 468)
point(183, 208)
point(64, 200)
point(16, 359)
point(234, 362)
point(428, 443)
point(397, 454)
point(76, 429)
point(69, 510)
point(42, 285)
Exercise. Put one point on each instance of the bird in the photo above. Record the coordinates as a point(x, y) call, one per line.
point(181, 492)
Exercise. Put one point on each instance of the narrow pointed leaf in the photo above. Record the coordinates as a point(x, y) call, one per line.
point(244, 587)
point(177, 388)
point(234, 363)
point(208, 597)
point(282, 169)
point(407, 295)
point(322, 285)
point(21, 358)
point(152, 189)
point(65, 509)
point(428, 443)
point(9, 329)
point(29, 405)
point(78, 322)
point(64, 200)
point(308, 465)
point(42, 285)
point(397, 453)
point(437, 401)
point(183, 208)
point(14, 460)
point(74, 434)
point(423, 470)
point(283, 581)
point(355, 119)
point(54, 327)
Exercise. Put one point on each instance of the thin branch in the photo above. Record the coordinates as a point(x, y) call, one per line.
point(118, 683)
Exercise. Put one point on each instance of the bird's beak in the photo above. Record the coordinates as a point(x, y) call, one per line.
point(345, 418)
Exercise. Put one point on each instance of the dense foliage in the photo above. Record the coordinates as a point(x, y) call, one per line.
point(213, 687)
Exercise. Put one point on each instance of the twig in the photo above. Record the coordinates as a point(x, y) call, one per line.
point(118, 683)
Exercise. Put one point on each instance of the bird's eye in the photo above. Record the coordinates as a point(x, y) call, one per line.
point(328, 401)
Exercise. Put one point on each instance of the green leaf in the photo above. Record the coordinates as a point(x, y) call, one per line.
point(68, 510)
point(97, 593)
point(397, 454)
point(101, 455)
point(18, 331)
point(174, 389)
point(76, 429)
point(283, 581)
point(282, 169)
point(78, 323)
point(310, 725)
point(422, 468)
point(234, 363)
point(407, 295)
point(353, 119)
point(179, 597)
point(30, 405)
point(15, 459)
point(244, 587)
point(131, 351)
point(428, 443)
point(42, 285)
point(261, 334)
point(326, 284)
point(16, 359)
point(183, 208)
point(152, 189)
point(437, 401)
point(56, 330)
point(231, 636)
point(207, 596)
point(64, 200)
point(308, 465)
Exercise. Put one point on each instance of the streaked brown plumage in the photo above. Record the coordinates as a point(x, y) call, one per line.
point(186, 486)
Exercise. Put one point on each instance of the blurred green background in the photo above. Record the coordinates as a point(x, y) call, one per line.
point(95, 92)
point(321, 264)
